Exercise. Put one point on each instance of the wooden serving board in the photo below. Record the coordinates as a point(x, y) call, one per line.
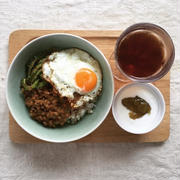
point(108, 131)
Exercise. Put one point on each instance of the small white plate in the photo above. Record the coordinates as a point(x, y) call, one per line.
point(146, 123)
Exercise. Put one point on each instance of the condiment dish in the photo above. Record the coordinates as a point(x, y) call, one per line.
point(149, 121)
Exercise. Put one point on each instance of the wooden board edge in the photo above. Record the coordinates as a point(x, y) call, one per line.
point(36, 140)
point(19, 32)
point(85, 33)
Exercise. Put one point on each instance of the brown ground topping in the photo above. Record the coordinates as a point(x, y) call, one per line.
point(47, 107)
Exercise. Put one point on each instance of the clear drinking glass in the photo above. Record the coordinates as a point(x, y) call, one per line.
point(169, 54)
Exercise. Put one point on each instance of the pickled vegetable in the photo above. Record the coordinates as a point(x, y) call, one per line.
point(138, 107)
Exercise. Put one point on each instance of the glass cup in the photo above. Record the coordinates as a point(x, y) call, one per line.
point(168, 58)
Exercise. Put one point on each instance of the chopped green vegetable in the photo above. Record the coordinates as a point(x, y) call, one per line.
point(31, 65)
point(42, 84)
point(35, 84)
point(25, 86)
point(33, 79)
point(35, 75)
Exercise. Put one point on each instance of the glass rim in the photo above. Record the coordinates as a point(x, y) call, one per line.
point(163, 71)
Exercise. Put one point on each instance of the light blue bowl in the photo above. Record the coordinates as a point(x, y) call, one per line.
point(16, 102)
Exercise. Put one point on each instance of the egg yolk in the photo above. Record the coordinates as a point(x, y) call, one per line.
point(86, 79)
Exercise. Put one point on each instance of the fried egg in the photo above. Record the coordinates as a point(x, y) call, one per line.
point(74, 70)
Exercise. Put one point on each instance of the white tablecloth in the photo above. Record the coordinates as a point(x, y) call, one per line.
point(89, 161)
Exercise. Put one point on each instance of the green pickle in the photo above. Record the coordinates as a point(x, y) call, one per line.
point(138, 107)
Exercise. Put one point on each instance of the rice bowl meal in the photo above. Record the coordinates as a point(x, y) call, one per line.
point(35, 78)
point(63, 86)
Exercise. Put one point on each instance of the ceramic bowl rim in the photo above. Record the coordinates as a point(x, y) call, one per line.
point(149, 85)
point(89, 44)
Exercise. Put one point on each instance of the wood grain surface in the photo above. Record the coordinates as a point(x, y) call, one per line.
point(108, 131)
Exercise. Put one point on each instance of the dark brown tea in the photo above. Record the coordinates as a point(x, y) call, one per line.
point(141, 54)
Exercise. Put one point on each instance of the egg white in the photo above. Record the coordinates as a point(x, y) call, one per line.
point(61, 68)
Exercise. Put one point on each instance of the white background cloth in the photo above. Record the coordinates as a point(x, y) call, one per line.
point(74, 161)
